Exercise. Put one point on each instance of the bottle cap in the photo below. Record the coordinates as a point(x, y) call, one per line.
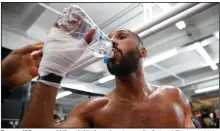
point(100, 36)
point(106, 60)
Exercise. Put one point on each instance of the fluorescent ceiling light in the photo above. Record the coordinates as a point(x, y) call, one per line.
point(216, 87)
point(206, 56)
point(160, 57)
point(106, 79)
point(62, 94)
point(181, 25)
point(217, 34)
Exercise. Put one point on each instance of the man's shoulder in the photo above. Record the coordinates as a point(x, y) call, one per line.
point(169, 91)
point(94, 103)
point(88, 106)
point(172, 90)
point(98, 101)
point(173, 94)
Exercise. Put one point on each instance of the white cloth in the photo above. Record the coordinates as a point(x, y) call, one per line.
point(50, 83)
point(60, 53)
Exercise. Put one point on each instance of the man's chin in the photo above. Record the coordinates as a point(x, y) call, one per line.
point(114, 61)
point(119, 72)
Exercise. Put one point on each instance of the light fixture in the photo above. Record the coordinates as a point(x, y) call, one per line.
point(106, 79)
point(64, 93)
point(181, 25)
point(205, 56)
point(165, 7)
point(217, 34)
point(160, 57)
point(216, 87)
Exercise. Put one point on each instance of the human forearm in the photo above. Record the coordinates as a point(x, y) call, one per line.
point(41, 107)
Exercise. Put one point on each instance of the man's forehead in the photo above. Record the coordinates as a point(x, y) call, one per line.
point(118, 30)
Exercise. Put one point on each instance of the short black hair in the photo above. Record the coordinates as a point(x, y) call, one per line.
point(138, 39)
point(141, 44)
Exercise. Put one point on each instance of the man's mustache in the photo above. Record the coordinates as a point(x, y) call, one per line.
point(119, 50)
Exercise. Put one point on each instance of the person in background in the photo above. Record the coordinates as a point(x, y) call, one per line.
point(196, 122)
point(56, 119)
point(209, 123)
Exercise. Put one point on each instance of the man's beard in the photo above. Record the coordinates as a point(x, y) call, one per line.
point(128, 63)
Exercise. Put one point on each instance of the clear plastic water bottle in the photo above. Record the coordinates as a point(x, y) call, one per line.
point(76, 23)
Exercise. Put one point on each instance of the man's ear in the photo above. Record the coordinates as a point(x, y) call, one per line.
point(143, 52)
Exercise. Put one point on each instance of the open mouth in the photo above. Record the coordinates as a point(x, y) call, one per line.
point(116, 56)
point(114, 50)
point(116, 53)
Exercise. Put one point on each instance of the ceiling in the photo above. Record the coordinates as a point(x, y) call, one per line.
point(27, 23)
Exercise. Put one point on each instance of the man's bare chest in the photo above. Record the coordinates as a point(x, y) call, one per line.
point(157, 112)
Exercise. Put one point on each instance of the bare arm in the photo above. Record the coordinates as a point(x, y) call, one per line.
point(41, 108)
point(188, 116)
point(187, 109)
point(79, 117)
point(177, 95)
point(42, 104)
point(74, 122)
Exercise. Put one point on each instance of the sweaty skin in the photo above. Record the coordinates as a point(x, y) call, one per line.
point(132, 103)
point(164, 107)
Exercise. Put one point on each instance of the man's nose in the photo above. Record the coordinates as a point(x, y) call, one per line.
point(114, 42)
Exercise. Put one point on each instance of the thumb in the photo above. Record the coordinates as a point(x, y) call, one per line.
point(31, 48)
point(89, 35)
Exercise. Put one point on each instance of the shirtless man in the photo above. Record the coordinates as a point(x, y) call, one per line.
point(132, 104)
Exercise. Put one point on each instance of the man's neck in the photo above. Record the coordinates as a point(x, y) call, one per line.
point(131, 87)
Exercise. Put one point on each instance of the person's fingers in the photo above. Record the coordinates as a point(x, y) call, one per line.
point(89, 35)
point(37, 55)
point(37, 63)
point(34, 68)
point(56, 24)
point(34, 72)
point(31, 48)
point(39, 43)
